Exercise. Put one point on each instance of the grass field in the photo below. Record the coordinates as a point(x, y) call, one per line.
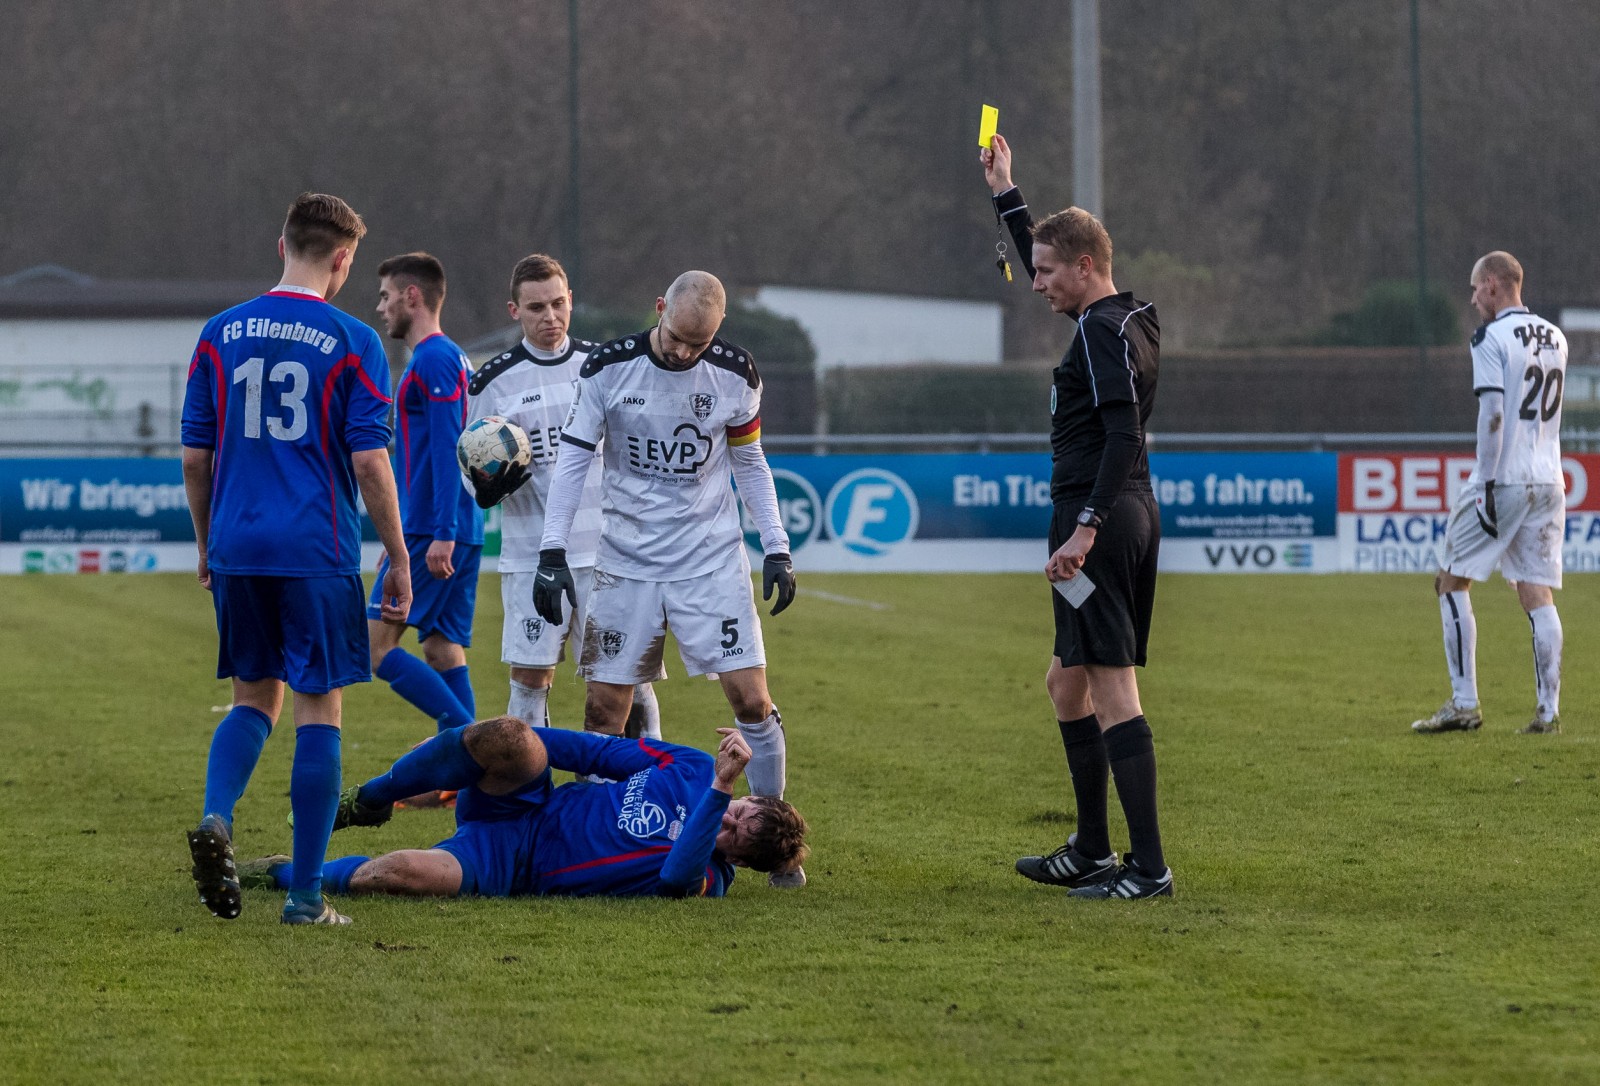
point(1355, 903)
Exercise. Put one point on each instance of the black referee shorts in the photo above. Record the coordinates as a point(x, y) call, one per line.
point(1112, 628)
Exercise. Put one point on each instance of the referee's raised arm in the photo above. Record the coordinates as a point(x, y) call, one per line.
point(1009, 206)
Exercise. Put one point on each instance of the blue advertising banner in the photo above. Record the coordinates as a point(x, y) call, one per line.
point(1263, 512)
point(1265, 495)
point(914, 512)
point(882, 512)
point(93, 501)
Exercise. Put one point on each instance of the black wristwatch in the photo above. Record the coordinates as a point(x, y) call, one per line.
point(1090, 519)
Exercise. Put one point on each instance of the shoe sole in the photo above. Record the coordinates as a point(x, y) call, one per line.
point(1107, 895)
point(299, 920)
point(1468, 727)
point(214, 874)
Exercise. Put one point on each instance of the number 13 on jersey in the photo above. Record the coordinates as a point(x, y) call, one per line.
point(290, 382)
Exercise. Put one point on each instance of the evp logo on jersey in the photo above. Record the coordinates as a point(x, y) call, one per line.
point(683, 454)
point(544, 441)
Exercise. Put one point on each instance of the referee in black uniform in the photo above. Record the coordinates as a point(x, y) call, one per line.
point(1104, 526)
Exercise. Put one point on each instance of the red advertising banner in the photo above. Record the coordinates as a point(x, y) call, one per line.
point(1394, 508)
point(1428, 482)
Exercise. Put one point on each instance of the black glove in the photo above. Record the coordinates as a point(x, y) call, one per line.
point(491, 491)
point(550, 582)
point(1485, 510)
point(778, 572)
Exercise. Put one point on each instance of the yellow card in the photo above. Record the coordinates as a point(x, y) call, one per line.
point(988, 126)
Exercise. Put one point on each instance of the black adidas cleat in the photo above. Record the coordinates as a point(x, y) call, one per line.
point(1129, 882)
point(257, 874)
point(211, 848)
point(352, 812)
point(1066, 866)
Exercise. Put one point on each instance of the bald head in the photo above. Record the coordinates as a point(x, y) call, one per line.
point(1496, 284)
point(694, 297)
point(1502, 266)
point(691, 311)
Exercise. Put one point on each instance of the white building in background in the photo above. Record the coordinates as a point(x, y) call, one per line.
point(93, 365)
point(855, 329)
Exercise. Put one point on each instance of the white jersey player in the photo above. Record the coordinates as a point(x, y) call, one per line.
point(679, 412)
point(1511, 513)
point(532, 385)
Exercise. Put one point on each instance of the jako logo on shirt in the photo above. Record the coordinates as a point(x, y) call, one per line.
point(870, 511)
point(799, 511)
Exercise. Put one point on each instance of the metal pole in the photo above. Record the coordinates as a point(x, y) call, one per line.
point(574, 242)
point(1086, 171)
point(1422, 227)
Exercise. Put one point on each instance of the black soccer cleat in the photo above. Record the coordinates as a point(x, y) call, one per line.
point(352, 812)
point(257, 874)
point(211, 848)
point(1129, 882)
point(1066, 866)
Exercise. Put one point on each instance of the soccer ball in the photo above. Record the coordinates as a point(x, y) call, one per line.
point(490, 445)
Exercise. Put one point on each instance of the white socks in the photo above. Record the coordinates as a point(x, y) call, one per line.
point(529, 703)
point(644, 698)
point(769, 755)
point(1461, 647)
point(1547, 659)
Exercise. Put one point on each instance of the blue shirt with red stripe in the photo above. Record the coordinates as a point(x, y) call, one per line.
point(431, 411)
point(653, 832)
point(283, 389)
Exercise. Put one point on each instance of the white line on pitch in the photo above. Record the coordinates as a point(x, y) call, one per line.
point(849, 601)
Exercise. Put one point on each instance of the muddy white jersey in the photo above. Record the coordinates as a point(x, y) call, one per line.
point(536, 393)
point(1524, 356)
point(669, 508)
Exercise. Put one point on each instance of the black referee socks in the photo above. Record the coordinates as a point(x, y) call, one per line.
point(1132, 754)
point(1086, 762)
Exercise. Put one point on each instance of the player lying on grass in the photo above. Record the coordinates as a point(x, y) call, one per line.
point(668, 826)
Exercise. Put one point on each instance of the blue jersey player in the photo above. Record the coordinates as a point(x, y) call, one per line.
point(284, 417)
point(668, 826)
point(443, 525)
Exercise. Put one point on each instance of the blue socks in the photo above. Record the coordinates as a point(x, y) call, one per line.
point(424, 687)
point(235, 749)
point(314, 797)
point(440, 763)
point(461, 686)
point(335, 873)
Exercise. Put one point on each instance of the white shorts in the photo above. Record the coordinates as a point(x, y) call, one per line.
point(1532, 524)
point(713, 617)
point(528, 640)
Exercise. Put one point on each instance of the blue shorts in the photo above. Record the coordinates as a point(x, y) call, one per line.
point(494, 835)
point(306, 631)
point(437, 607)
